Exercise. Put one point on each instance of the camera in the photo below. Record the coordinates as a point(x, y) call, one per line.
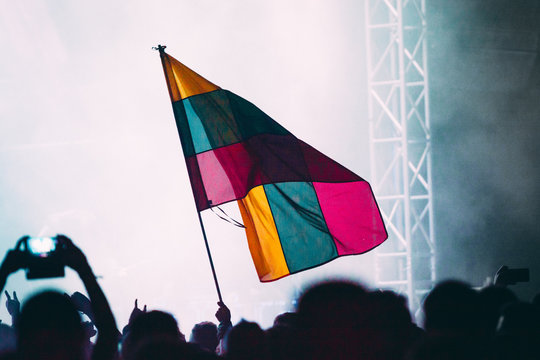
point(517, 275)
point(42, 256)
point(507, 276)
point(41, 246)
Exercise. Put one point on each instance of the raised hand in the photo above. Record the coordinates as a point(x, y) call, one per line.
point(73, 256)
point(501, 277)
point(82, 303)
point(14, 260)
point(13, 305)
point(136, 312)
point(223, 314)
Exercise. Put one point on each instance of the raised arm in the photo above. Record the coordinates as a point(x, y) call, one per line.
point(107, 340)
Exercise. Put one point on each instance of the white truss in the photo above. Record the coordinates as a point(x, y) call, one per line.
point(400, 144)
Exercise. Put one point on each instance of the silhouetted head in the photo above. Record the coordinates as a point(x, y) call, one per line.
point(246, 340)
point(204, 334)
point(150, 326)
point(332, 304)
point(492, 300)
point(332, 320)
point(391, 329)
point(389, 309)
point(282, 342)
point(49, 327)
point(452, 307)
point(286, 319)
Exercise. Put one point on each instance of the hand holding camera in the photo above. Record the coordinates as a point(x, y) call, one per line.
point(44, 257)
point(12, 262)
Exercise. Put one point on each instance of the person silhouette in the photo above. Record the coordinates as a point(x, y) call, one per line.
point(49, 325)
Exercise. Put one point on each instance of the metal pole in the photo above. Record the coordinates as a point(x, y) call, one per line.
point(161, 50)
point(210, 257)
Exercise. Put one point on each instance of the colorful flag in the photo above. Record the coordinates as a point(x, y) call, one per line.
point(300, 208)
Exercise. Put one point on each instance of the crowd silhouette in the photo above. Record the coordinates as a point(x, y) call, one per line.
point(332, 320)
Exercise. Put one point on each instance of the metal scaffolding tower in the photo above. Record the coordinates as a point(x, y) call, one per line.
point(400, 144)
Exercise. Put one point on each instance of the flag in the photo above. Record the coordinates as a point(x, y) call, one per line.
point(300, 208)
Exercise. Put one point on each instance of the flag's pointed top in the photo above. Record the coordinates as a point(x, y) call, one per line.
point(182, 81)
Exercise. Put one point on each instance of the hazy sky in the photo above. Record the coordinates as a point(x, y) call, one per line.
point(89, 146)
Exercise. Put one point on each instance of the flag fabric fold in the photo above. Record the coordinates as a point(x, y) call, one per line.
point(300, 208)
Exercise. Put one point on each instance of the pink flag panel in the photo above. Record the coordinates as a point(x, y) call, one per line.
point(352, 216)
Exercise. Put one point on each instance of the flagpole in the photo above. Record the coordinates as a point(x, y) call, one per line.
point(210, 257)
point(161, 50)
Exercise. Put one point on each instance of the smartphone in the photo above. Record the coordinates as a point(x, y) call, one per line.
point(43, 258)
point(41, 246)
point(517, 275)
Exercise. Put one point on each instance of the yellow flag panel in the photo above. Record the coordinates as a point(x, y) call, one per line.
point(184, 82)
point(263, 239)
